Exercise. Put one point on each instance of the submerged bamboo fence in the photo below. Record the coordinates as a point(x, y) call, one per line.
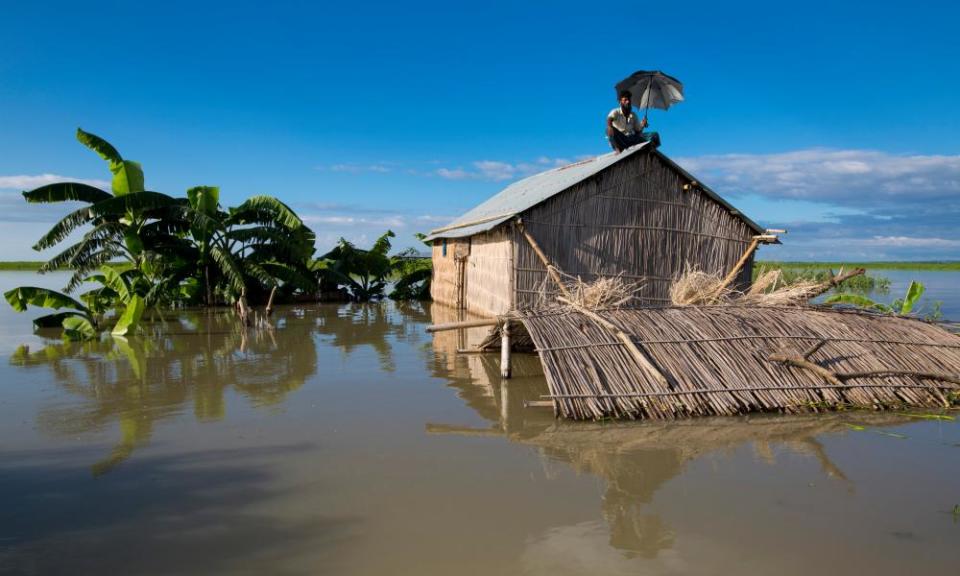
point(665, 363)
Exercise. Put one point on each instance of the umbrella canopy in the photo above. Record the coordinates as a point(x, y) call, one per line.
point(652, 89)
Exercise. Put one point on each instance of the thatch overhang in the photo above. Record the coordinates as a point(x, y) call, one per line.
point(724, 360)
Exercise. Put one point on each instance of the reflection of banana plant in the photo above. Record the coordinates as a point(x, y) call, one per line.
point(138, 382)
point(902, 306)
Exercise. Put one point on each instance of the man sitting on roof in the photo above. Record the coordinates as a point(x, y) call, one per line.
point(623, 128)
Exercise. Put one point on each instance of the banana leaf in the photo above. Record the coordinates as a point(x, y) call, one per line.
point(914, 292)
point(22, 297)
point(130, 318)
point(856, 300)
point(78, 328)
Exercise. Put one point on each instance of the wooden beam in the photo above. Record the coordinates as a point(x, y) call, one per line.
point(460, 325)
point(551, 269)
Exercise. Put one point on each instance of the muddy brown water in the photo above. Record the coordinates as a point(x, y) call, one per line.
point(348, 441)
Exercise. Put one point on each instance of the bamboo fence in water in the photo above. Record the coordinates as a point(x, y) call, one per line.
point(723, 360)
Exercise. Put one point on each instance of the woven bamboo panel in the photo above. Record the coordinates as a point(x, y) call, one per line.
point(489, 272)
point(633, 219)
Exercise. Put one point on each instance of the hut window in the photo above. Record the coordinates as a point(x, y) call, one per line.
point(444, 247)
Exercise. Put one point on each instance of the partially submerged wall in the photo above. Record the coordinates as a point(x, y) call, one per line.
point(490, 272)
point(445, 284)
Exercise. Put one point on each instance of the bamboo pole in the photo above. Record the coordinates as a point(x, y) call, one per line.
point(505, 352)
point(551, 269)
point(739, 265)
point(464, 324)
point(639, 356)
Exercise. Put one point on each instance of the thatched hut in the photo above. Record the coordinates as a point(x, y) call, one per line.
point(637, 215)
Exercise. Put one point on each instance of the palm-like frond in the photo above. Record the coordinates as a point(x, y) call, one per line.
point(229, 267)
point(64, 227)
point(101, 147)
point(65, 192)
point(24, 296)
point(263, 209)
point(76, 255)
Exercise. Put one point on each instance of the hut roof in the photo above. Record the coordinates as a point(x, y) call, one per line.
point(721, 360)
point(527, 193)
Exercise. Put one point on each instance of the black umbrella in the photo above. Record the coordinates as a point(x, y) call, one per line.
point(651, 89)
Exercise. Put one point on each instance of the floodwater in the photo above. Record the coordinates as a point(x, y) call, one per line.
point(348, 441)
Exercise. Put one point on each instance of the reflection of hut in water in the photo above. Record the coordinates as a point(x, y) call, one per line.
point(476, 376)
point(636, 215)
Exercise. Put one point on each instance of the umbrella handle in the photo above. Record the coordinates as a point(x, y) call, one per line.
point(646, 108)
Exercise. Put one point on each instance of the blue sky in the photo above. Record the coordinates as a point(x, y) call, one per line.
point(837, 121)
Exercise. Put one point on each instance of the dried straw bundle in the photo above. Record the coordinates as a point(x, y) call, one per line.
point(601, 293)
point(698, 288)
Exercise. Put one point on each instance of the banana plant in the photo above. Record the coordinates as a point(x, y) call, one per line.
point(79, 321)
point(364, 273)
point(261, 240)
point(901, 306)
point(121, 221)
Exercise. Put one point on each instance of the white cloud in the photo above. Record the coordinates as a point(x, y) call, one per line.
point(454, 174)
point(397, 221)
point(843, 177)
point(378, 167)
point(29, 182)
point(909, 242)
point(498, 171)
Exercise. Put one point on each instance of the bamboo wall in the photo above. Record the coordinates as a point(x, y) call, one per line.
point(635, 219)
point(490, 272)
point(444, 286)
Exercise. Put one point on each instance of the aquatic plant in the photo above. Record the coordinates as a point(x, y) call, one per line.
point(77, 321)
point(900, 306)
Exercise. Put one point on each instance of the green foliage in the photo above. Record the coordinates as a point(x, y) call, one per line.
point(24, 296)
point(78, 328)
point(937, 265)
point(76, 319)
point(364, 273)
point(413, 275)
point(858, 301)
point(914, 292)
point(130, 317)
point(146, 248)
point(900, 306)
point(862, 284)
